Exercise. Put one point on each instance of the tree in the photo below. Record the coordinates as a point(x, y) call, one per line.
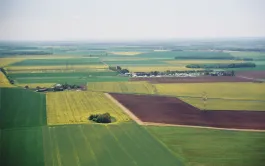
point(118, 68)
point(233, 73)
point(100, 118)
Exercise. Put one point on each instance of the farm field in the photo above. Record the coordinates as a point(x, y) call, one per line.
point(200, 79)
point(71, 107)
point(157, 68)
point(21, 146)
point(21, 108)
point(126, 53)
point(7, 61)
point(252, 74)
point(64, 74)
point(125, 144)
point(225, 104)
point(244, 91)
point(206, 61)
point(131, 63)
point(70, 80)
point(210, 147)
point(55, 68)
point(122, 87)
point(34, 85)
point(245, 54)
point(186, 55)
point(170, 110)
point(4, 81)
point(55, 62)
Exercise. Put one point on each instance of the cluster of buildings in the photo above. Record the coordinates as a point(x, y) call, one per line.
point(179, 74)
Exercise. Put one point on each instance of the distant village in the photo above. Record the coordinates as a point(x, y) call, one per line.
point(169, 73)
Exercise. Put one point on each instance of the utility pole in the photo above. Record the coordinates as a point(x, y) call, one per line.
point(204, 100)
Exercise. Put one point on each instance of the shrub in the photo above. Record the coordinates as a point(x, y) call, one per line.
point(100, 118)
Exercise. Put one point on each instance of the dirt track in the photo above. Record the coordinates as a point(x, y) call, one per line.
point(252, 74)
point(170, 110)
point(191, 79)
point(128, 112)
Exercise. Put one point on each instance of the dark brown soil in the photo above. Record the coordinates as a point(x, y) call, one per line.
point(170, 110)
point(252, 74)
point(191, 79)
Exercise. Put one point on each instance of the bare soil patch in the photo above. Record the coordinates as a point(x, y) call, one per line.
point(170, 110)
point(202, 79)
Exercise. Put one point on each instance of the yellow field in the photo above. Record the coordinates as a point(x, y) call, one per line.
point(72, 107)
point(6, 61)
point(122, 87)
point(126, 53)
point(34, 85)
point(186, 62)
point(62, 67)
point(157, 68)
point(251, 91)
point(4, 81)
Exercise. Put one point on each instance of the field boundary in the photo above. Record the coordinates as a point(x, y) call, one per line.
point(127, 111)
point(201, 127)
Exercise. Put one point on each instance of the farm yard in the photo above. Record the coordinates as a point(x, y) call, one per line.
point(54, 128)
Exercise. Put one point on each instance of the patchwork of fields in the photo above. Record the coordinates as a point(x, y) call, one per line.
point(76, 107)
point(170, 110)
point(52, 129)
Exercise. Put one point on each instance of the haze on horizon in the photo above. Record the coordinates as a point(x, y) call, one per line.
point(130, 19)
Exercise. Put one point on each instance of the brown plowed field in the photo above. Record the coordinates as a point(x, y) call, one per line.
point(191, 79)
point(252, 74)
point(170, 110)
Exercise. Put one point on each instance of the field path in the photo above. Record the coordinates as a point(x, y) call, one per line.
point(201, 127)
point(128, 112)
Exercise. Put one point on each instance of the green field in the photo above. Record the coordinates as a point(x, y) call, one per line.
point(71, 80)
point(210, 147)
point(55, 62)
point(63, 74)
point(149, 62)
point(126, 144)
point(21, 146)
point(245, 54)
point(187, 55)
point(21, 108)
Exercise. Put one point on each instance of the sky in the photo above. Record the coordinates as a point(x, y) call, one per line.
point(130, 19)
